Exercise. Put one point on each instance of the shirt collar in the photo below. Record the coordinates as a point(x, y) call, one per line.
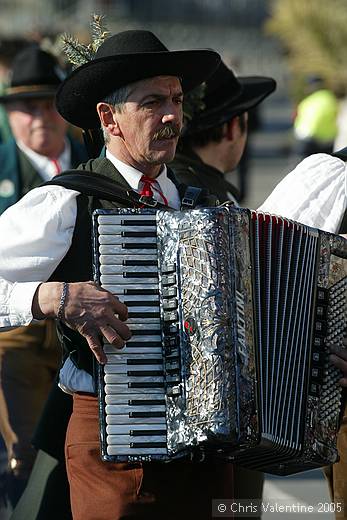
point(131, 174)
point(133, 177)
point(43, 164)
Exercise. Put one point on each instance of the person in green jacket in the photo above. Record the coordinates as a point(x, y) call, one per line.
point(315, 123)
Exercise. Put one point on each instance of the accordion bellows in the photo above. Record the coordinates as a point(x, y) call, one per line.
point(232, 315)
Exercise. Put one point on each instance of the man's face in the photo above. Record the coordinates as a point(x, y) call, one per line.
point(150, 122)
point(37, 124)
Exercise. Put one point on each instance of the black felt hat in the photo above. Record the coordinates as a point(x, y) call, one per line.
point(124, 58)
point(35, 74)
point(227, 96)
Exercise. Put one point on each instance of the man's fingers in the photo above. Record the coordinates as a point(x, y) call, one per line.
point(120, 309)
point(118, 327)
point(111, 336)
point(96, 347)
point(339, 362)
point(339, 352)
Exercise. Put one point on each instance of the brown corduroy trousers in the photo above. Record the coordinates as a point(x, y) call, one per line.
point(111, 491)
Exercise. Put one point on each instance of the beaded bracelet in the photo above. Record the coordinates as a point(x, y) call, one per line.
point(61, 308)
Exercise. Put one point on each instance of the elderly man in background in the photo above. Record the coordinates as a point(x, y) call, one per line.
point(39, 149)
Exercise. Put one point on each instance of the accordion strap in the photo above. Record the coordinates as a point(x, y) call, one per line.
point(191, 197)
point(97, 185)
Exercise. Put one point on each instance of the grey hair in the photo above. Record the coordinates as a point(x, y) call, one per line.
point(117, 99)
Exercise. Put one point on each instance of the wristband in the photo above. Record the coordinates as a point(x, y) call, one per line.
point(61, 308)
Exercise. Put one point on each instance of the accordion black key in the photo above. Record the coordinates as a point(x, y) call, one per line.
point(232, 314)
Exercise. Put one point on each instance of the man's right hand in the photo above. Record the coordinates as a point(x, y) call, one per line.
point(89, 309)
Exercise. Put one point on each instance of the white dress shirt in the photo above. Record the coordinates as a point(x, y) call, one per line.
point(36, 234)
point(314, 193)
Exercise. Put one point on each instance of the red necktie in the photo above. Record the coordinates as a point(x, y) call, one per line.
point(149, 185)
point(56, 166)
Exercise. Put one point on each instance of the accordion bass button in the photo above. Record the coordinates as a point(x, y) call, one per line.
point(316, 357)
point(174, 391)
point(168, 268)
point(169, 292)
point(170, 304)
point(168, 279)
point(170, 316)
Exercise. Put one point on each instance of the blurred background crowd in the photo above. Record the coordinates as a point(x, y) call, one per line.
point(301, 44)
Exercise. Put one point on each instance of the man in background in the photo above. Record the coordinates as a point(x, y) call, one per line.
point(9, 48)
point(38, 150)
point(215, 132)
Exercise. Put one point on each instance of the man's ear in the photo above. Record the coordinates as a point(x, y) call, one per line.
point(108, 118)
point(233, 129)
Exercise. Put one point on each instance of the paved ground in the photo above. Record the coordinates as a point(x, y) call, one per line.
point(306, 489)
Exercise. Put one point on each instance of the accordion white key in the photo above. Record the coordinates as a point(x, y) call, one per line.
point(232, 314)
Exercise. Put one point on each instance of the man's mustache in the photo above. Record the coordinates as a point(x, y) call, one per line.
point(167, 132)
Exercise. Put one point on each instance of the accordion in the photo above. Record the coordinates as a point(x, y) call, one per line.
point(232, 314)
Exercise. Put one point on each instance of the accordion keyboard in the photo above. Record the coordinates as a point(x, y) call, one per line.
point(133, 376)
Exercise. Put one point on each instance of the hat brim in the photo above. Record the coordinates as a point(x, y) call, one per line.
point(254, 90)
point(38, 94)
point(87, 85)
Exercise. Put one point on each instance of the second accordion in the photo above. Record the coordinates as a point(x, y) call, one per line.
point(233, 314)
